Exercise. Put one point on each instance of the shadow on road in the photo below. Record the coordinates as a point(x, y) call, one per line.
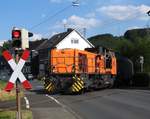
point(39, 91)
point(134, 88)
point(42, 92)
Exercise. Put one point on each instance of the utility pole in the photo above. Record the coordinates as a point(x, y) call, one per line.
point(84, 32)
point(65, 25)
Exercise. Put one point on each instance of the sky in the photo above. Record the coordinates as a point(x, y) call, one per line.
point(45, 18)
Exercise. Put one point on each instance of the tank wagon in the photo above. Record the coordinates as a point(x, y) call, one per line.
point(73, 70)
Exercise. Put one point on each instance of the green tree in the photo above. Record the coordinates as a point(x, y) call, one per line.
point(133, 44)
point(7, 45)
point(105, 40)
point(133, 50)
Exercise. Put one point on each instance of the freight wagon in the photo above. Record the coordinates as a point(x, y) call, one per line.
point(73, 70)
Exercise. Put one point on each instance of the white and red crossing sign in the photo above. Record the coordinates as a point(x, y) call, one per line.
point(17, 70)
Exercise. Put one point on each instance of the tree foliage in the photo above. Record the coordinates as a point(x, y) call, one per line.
point(136, 34)
point(105, 40)
point(0, 50)
point(133, 44)
point(7, 45)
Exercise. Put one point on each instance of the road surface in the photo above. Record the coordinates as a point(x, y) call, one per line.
point(102, 104)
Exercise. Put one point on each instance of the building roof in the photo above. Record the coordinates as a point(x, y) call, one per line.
point(34, 44)
point(54, 40)
point(1, 48)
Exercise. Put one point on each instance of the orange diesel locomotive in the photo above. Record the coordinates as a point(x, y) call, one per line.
point(72, 70)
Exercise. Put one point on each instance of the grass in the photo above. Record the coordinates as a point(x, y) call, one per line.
point(5, 96)
point(26, 114)
point(2, 84)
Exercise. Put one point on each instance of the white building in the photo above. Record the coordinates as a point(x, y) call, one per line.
point(74, 40)
point(69, 39)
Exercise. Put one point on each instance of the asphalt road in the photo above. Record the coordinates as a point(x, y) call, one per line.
point(102, 104)
point(43, 106)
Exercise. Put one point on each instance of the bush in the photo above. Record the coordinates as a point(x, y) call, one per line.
point(141, 80)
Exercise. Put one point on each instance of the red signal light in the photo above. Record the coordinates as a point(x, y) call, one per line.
point(16, 37)
point(16, 34)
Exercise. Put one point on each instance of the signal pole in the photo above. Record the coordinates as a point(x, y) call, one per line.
point(20, 39)
point(16, 37)
point(18, 100)
point(18, 97)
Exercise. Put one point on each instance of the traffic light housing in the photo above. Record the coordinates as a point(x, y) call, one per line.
point(16, 37)
point(20, 38)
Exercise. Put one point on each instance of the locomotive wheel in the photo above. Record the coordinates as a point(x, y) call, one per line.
point(109, 83)
point(100, 84)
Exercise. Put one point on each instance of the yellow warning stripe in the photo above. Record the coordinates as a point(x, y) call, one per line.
point(81, 81)
point(75, 88)
point(45, 85)
point(48, 86)
point(51, 88)
point(46, 82)
point(80, 84)
point(74, 77)
point(79, 88)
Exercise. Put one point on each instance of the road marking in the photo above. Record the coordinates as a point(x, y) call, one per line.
point(55, 100)
point(64, 106)
point(27, 102)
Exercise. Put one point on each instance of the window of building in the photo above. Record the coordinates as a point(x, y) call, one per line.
point(74, 41)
